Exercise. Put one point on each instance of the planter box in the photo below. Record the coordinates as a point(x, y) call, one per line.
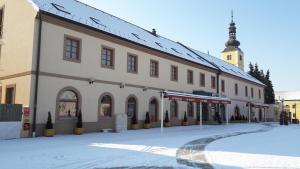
point(134, 126)
point(79, 131)
point(185, 123)
point(49, 132)
point(147, 126)
point(168, 124)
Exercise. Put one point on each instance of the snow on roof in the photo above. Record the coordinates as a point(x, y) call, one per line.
point(227, 67)
point(287, 95)
point(84, 14)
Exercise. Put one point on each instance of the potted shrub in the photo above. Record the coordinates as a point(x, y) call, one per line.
point(79, 129)
point(185, 120)
point(167, 122)
point(49, 131)
point(147, 123)
point(134, 122)
point(198, 119)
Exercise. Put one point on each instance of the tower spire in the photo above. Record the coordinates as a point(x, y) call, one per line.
point(231, 15)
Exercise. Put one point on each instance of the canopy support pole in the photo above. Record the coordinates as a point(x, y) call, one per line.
point(162, 113)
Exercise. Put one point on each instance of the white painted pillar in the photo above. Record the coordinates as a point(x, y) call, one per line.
point(227, 115)
point(162, 113)
point(249, 112)
point(200, 114)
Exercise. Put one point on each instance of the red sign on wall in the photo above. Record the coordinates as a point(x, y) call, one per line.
point(26, 111)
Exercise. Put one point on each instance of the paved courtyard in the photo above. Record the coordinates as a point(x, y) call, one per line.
point(232, 146)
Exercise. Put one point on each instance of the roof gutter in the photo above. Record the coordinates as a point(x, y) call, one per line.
point(37, 75)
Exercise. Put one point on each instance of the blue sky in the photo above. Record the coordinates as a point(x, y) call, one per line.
point(269, 30)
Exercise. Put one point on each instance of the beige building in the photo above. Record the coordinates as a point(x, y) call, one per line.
point(65, 56)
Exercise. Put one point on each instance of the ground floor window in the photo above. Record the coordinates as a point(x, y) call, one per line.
point(68, 103)
point(190, 109)
point(153, 110)
point(131, 107)
point(106, 105)
point(174, 109)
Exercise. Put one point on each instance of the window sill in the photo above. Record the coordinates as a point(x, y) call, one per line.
point(72, 60)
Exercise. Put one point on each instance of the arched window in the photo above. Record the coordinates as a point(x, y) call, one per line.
point(153, 110)
point(106, 106)
point(131, 107)
point(190, 109)
point(174, 108)
point(68, 103)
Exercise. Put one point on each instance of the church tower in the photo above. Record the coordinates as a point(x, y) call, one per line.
point(232, 53)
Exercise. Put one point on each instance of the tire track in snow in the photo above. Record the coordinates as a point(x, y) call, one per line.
point(192, 154)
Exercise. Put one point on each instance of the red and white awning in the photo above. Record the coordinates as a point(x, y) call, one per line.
point(196, 98)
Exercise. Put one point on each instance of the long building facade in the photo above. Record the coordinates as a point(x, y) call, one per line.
point(65, 56)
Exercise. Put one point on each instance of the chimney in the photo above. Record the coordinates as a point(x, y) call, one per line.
point(154, 32)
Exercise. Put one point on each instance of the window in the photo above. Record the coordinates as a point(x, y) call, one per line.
point(190, 77)
point(106, 105)
point(132, 63)
point(246, 91)
point(213, 82)
point(72, 49)
point(174, 109)
point(153, 110)
point(1, 21)
point(259, 94)
point(229, 57)
point(10, 94)
point(131, 107)
point(174, 73)
point(159, 44)
point(252, 93)
point(241, 57)
point(154, 68)
point(68, 103)
point(107, 57)
point(190, 109)
point(236, 89)
point(223, 86)
point(175, 50)
point(202, 79)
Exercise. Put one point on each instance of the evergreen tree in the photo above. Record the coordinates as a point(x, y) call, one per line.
point(269, 91)
point(79, 120)
point(49, 124)
point(265, 79)
point(147, 120)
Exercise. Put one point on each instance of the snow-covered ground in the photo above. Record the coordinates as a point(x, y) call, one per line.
point(277, 148)
point(151, 148)
point(98, 150)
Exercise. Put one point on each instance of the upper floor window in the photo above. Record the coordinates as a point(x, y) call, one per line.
point(174, 73)
point(154, 68)
point(229, 57)
point(252, 93)
point(259, 94)
point(132, 63)
point(190, 77)
point(72, 49)
point(236, 89)
point(223, 85)
point(213, 82)
point(202, 79)
point(1, 21)
point(241, 57)
point(246, 91)
point(107, 57)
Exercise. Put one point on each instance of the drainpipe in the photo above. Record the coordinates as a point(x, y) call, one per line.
point(37, 75)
